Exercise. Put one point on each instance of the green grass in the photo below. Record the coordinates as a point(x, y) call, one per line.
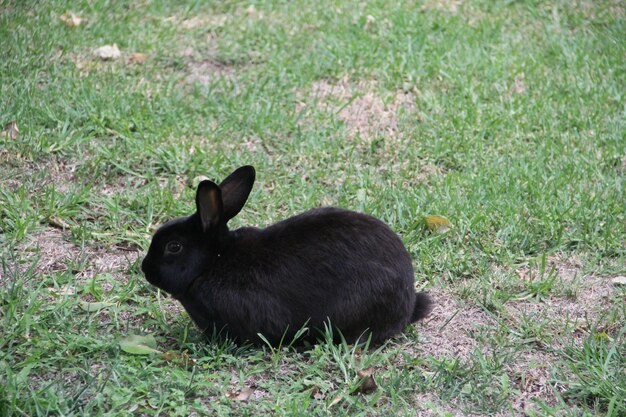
point(513, 128)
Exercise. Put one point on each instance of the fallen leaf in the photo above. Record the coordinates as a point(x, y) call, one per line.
point(58, 223)
point(368, 384)
point(523, 273)
point(10, 130)
point(335, 401)
point(65, 290)
point(197, 180)
point(179, 359)
point(369, 21)
point(602, 336)
point(619, 281)
point(316, 394)
point(239, 395)
point(139, 344)
point(138, 58)
point(437, 224)
point(90, 307)
point(71, 19)
point(108, 52)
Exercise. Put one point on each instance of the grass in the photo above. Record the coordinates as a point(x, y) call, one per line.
point(505, 117)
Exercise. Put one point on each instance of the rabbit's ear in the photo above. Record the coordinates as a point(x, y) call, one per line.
point(209, 204)
point(235, 191)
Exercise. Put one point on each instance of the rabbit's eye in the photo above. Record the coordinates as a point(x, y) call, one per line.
point(173, 247)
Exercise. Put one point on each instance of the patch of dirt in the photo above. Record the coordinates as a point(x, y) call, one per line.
point(531, 372)
point(53, 250)
point(173, 306)
point(448, 332)
point(583, 313)
point(364, 112)
point(567, 268)
point(452, 330)
point(203, 66)
point(569, 318)
point(451, 333)
point(575, 297)
point(53, 171)
point(375, 127)
point(56, 253)
point(85, 62)
point(120, 184)
point(422, 174)
point(205, 71)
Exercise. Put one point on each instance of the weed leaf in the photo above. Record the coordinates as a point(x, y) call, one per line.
point(90, 307)
point(179, 359)
point(139, 345)
point(437, 224)
point(240, 395)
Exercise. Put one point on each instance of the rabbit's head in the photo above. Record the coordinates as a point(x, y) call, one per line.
point(183, 249)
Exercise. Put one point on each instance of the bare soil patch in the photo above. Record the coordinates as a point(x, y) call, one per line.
point(452, 330)
point(56, 253)
point(53, 171)
point(532, 373)
point(364, 112)
point(576, 297)
point(377, 126)
point(451, 333)
point(207, 70)
point(448, 333)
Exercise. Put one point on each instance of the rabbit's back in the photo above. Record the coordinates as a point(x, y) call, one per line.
point(323, 264)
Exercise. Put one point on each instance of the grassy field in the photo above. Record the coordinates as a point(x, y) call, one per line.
point(506, 117)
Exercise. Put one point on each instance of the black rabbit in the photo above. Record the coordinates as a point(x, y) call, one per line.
point(326, 265)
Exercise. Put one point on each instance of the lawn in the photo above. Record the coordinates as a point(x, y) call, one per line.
point(505, 117)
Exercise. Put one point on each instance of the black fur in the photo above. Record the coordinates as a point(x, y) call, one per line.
point(324, 265)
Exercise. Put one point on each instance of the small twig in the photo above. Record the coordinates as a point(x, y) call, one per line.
point(449, 320)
